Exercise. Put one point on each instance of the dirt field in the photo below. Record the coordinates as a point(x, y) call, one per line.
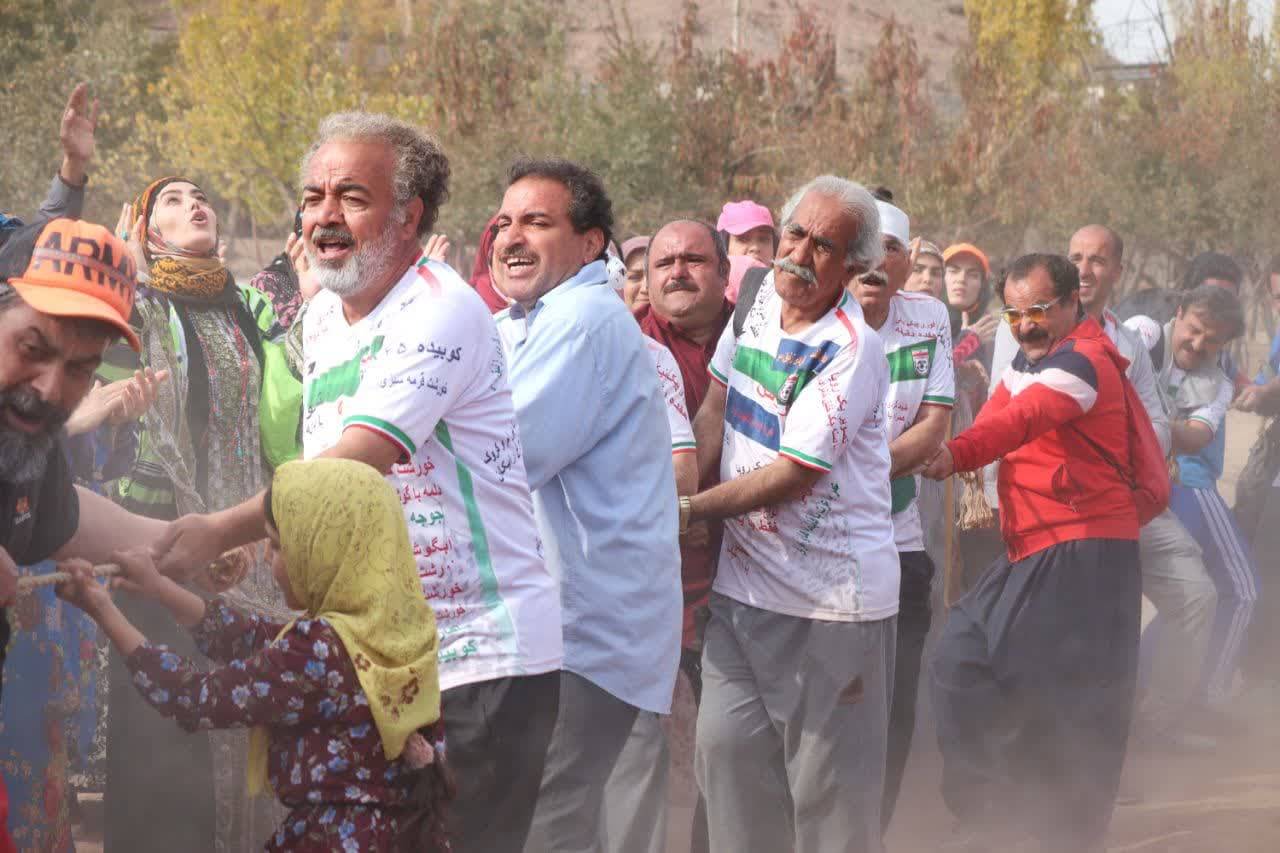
point(1224, 802)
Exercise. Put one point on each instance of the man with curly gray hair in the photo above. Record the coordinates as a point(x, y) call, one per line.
point(798, 657)
point(403, 370)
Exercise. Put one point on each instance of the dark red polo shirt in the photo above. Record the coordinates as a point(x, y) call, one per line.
point(697, 565)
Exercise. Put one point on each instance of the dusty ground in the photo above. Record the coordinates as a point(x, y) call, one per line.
point(1224, 802)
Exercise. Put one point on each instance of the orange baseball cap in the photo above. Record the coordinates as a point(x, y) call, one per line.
point(73, 268)
point(967, 249)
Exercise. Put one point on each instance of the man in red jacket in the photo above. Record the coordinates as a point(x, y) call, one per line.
point(1034, 675)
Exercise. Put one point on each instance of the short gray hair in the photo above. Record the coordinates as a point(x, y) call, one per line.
point(868, 249)
point(422, 169)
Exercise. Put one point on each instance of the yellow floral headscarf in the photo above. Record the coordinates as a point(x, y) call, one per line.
point(349, 562)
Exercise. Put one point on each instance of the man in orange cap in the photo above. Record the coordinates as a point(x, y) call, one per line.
point(66, 291)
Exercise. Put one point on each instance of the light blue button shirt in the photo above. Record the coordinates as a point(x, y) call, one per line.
point(597, 450)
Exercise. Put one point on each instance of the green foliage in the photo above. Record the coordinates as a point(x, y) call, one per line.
point(247, 90)
point(45, 48)
point(1038, 142)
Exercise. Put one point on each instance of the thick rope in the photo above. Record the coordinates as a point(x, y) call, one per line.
point(30, 583)
point(219, 576)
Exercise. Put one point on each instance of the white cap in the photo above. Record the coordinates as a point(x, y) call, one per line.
point(894, 222)
point(617, 271)
point(1148, 329)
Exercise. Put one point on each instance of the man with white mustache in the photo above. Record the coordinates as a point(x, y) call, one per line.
point(916, 332)
point(797, 661)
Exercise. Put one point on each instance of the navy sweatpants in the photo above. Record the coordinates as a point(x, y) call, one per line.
point(1033, 681)
point(1226, 557)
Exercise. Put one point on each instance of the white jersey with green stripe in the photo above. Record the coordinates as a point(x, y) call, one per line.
point(917, 343)
point(425, 370)
point(816, 398)
point(672, 385)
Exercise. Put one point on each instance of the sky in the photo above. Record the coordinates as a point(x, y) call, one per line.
point(1132, 30)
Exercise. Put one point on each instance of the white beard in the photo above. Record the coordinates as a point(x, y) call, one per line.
point(368, 264)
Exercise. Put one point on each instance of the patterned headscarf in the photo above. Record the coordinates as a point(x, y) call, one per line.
point(173, 269)
point(349, 562)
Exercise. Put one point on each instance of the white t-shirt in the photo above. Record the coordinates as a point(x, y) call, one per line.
point(425, 370)
point(917, 343)
point(1213, 412)
point(817, 398)
point(672, 386)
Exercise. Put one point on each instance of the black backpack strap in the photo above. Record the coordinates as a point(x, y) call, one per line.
point(1157, 352)
point(747, 291)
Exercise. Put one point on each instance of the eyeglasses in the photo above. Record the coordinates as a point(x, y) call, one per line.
point(1036, 313)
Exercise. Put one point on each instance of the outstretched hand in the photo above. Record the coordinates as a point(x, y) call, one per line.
point(117, 403)
point(76, 134)
point(138, 573)
point(188, 544)
point(985, 328)
point(438, 248)
point(84, 590)
point(296, 249)
point(132, 230)
point(940, 466)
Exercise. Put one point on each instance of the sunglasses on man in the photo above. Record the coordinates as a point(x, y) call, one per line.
point(1036, 313)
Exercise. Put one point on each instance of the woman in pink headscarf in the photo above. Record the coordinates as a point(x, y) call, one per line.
point(738, 266)
point(481, 279)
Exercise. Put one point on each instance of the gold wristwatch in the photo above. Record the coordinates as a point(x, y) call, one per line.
point(686, 509)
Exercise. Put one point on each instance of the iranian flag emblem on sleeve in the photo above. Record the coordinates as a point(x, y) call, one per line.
point(920, 358)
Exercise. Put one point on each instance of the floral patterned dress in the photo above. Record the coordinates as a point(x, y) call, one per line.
point(326, 762)
point(48, 731)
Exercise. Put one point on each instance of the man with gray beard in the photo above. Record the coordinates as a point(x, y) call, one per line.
point(403, 370)
point(66, 290)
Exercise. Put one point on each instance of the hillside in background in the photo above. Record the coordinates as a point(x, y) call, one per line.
point(937, 25)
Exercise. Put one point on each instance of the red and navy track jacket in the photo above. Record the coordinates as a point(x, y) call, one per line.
point(1054, 485)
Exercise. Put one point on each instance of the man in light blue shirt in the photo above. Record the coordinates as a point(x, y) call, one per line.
point(597, 450)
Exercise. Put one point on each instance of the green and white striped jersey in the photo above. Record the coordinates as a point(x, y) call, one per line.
point(917, 343)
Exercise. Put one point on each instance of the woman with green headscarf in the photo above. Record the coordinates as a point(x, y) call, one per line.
point(228, 415)
point(344, 700)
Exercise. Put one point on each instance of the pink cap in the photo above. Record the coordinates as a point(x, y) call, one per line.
point(739, 217)
point(633, 245)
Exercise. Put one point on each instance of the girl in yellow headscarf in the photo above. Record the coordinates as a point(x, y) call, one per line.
point(345, 699)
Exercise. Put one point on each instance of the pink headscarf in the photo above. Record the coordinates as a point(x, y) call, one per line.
point(738, 266)
point(481, 277)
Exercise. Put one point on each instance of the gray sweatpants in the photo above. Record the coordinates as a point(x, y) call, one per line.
point(591, 727)
point(1174, 578)
point(635, 798)
point(792, 730)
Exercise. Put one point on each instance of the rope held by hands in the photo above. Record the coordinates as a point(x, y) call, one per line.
point(30, 583)
point(218, 577)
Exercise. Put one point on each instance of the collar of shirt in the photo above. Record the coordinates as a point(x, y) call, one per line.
point(1109, 325)
point(593, 273)
point(674, 338)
